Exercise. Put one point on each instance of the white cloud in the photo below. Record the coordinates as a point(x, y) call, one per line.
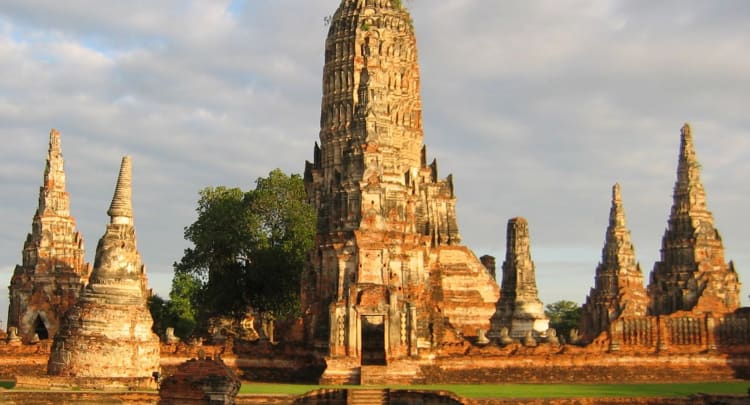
point(536, 107)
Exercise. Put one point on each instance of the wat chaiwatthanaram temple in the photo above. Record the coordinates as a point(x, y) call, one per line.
point(390, 293)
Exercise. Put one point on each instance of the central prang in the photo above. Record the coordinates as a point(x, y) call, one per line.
point(388, 278)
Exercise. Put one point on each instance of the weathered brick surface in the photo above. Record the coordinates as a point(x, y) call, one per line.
point(107, 333)
point(692, 274)
point(519, 309)
point(53, 271)
point(200, 381)
point(618, 285)
point(388, 268)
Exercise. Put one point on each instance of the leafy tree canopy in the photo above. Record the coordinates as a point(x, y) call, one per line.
point(249, 249)
point(563, 316)
point(177, 312)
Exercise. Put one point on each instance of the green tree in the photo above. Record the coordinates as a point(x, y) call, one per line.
point(179, 311)
point(249, 248)
point(563, 316)
point(182, 305)
point(158, 308)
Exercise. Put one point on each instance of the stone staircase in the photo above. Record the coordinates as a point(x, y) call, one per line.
point(367, 397)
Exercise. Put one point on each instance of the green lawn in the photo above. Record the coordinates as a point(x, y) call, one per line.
point(536, 390)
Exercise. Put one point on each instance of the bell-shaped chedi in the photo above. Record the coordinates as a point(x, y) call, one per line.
point(108, 333)
point(519, 308)
point(692, 274)
point(618, 284)
point(388, 276)
point(53, 271)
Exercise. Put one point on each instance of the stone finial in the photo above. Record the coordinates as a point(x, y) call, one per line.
point(617, 213)
point(122, 205)
point(686, 131)
point(688, 167)
point(55, 146)
point(52, 194)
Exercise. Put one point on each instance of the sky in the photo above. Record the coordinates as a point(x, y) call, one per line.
point(536, 107)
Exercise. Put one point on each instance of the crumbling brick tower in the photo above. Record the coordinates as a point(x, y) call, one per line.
point(388, 277)
point(618, 284)
point(107, 333)
point(52, 272)
point(692, 274)
point(519, 308)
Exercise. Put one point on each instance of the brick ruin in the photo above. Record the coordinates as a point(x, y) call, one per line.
point(389, 294)
point(107, 333)
point(618, 285)
point(200, 381)
point(693, 301)
point(519, 309)
point(389, 278)
point(692, 274)
point(53, 271)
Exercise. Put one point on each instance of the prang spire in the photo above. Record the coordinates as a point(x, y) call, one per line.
point(616, 213)
point(387, 234)
point(49, 279)
point(121, 209)
point(618, 250)
point(692, 274)
point(618, 284)
point(52, 194)
point(688, 191)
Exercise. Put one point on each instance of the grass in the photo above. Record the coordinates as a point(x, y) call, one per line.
point(535, 390)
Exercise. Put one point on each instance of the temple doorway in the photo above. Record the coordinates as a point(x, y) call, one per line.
point(373, 340)
point(40, 329)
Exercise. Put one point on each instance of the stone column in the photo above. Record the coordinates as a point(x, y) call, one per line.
point(661, 326)
point(413, 349)
point(615, 335)
point(710, 332)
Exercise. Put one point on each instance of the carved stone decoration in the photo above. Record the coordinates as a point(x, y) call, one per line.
point(529, 340)
point(385, 218)
point(107, 333)
point(552, 337)
point(53, 271)
point(169, 337)
point(505, 338)
point(13, 338)
point(618, 284)
point(692, 274)
point(519, 308)
point(482, 337)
